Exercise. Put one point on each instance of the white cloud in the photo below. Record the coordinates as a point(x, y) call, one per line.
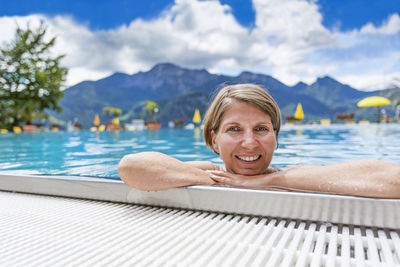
point(9, 24)
point(369, 58)
point(391, 26)
point(75, 75)
point(288, 42)
point(378, 72)
point(370, 82)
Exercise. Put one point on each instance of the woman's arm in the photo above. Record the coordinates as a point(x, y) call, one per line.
point(369, 178)
point(157, 171)
point(205, 165)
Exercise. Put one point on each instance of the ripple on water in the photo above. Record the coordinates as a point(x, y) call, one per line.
point(138, 146)
point(73, 144)
point(161, 148)
point(8, 165)
point(157, 141)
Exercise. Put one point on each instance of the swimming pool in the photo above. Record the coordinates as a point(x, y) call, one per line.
point(97, 154)
point(62, 216)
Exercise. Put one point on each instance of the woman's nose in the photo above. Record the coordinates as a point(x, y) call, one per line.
point(249, 139)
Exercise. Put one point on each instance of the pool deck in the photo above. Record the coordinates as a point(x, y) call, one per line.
point(61, 220)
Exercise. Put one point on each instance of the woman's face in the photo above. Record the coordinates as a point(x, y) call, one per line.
point(245, 139)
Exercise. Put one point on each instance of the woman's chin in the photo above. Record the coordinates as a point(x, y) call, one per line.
point(248, 172)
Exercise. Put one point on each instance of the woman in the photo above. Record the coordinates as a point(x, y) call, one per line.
point(242, 125)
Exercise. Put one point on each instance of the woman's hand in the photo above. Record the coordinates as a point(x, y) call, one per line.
point(244, 181)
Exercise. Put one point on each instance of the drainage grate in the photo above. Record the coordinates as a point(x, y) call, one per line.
point(43, 230)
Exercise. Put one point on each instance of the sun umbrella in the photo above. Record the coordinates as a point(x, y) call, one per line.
point(196, 116)
point(299, 114)
point(96, 120)
point(374, 101)
point(115, 121)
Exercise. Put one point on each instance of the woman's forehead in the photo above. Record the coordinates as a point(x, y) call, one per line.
point(242, 112)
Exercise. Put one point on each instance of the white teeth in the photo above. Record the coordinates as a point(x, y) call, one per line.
point(248, 158)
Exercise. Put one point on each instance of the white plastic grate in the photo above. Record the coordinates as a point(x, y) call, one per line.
point(41, 230)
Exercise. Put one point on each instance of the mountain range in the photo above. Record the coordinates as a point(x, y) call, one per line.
point(179, 91)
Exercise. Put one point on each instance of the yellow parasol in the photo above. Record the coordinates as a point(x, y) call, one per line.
point(299, 114)
point(196, 116)
point(374, 101)
point(96, 121)
point(115, 121)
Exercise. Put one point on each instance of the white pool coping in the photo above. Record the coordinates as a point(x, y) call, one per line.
point(371, 212)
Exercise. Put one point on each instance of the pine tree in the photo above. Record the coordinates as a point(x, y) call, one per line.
point(30, 78)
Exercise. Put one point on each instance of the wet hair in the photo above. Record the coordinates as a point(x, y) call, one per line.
point(248, 93)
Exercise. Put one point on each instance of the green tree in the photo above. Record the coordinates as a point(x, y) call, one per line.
point(111, 111)
point(30, 77)
point(150, 108)
point(394, 95)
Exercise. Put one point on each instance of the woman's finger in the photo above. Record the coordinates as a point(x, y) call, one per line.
point(220, 173)
point(218, 178)
point(223, 179)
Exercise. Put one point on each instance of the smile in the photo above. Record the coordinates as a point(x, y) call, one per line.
point(249, 159)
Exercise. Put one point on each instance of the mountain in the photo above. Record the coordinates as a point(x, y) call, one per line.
point(179, 91)
point(332, 92)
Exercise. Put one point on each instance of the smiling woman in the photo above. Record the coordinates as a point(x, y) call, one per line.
point(246, 140)
point(242, 126)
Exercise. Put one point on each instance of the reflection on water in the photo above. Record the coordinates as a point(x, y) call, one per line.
point(197, 133)
point(97, 154)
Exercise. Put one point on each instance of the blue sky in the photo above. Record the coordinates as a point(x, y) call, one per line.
point(356, 42)
point(344, 14)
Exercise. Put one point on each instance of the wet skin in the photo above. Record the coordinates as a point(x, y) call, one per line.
point(245, 139)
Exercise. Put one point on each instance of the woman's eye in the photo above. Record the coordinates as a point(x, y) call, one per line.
point(233, 129)
point(261, 129)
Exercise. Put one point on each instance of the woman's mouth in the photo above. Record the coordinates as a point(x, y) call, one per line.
point(248, 158)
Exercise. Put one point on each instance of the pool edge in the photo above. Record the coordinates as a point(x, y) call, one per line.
point(383, 213)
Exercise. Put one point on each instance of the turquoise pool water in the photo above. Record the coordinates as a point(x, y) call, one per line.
point(97, 154)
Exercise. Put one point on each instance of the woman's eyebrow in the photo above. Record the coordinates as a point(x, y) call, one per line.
point(235, 122)
point(231, 123)
point(263, 123)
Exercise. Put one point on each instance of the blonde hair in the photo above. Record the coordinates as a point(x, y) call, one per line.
point(249, 93)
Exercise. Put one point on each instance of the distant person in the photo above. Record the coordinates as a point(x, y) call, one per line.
point(242, 126)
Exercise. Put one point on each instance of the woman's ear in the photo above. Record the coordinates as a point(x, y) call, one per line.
point(214, 142)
